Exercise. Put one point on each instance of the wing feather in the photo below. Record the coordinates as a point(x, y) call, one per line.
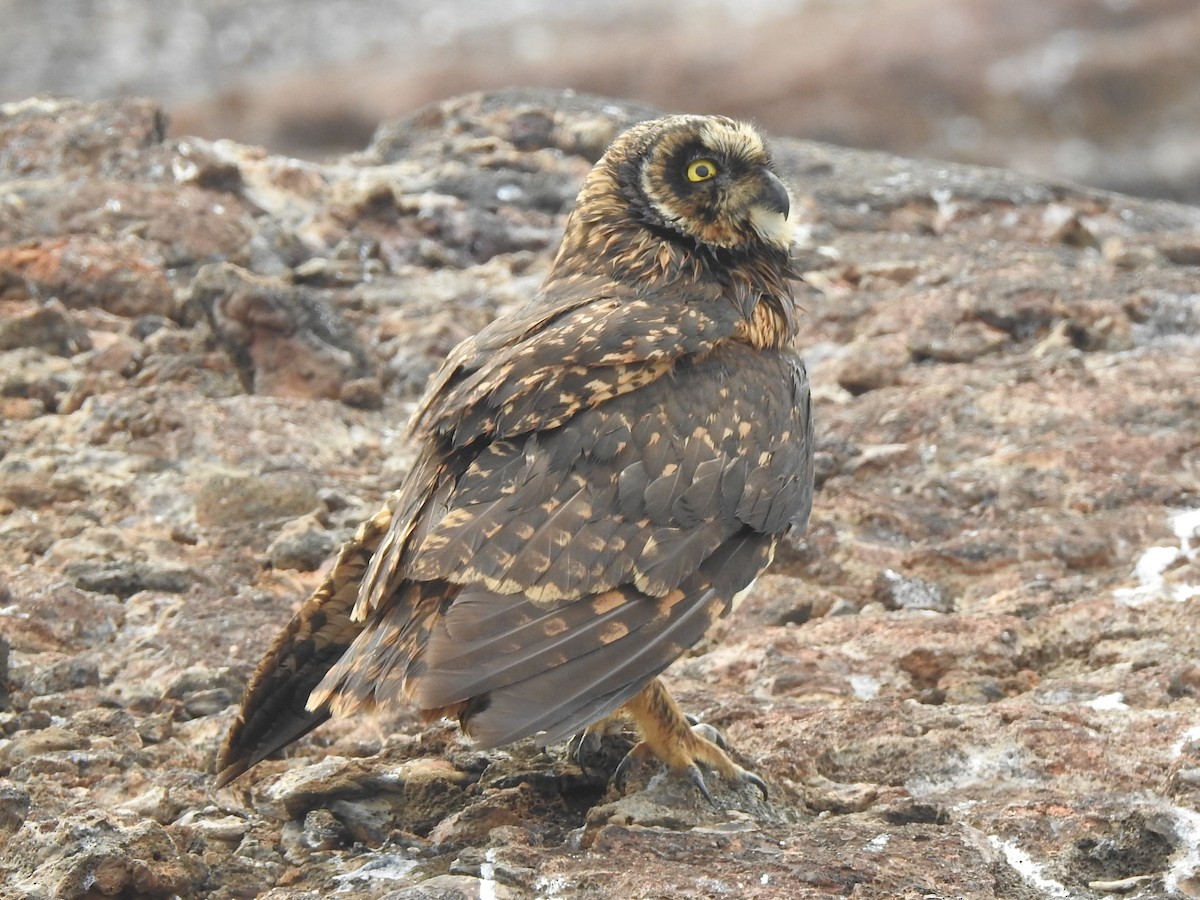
point(597, 659)
point(544, 514)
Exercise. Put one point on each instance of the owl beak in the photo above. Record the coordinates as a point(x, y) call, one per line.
point(773, 195)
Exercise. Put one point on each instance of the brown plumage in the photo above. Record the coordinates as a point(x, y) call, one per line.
point(601, 473)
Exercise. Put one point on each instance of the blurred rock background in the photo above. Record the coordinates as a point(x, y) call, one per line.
point(1102, 92)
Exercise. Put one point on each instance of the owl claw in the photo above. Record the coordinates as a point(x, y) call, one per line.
point(622, 772)
point(696, 777)
point(598, 750)
point(582, 746)
point(714, 736)
point(691, 770)
point(750, 778)
point(632, 760)
point(680, 741)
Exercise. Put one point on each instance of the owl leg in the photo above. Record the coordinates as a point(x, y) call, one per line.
point(668, 736)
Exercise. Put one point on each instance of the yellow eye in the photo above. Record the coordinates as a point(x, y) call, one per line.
point(701, 170)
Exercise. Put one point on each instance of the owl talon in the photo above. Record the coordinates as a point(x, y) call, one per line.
point(633, 760)
point(696, 777)
point(636, 757)
point(622, 773)
point(599, 749)
point(583, 746)
point(750, 778)
point(680, 742)
point(714, 736)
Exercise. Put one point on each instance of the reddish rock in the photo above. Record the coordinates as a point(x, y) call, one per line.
point(83, 272)
point(285, 341)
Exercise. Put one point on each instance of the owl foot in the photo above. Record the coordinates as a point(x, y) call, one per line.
point(598, 750)
point(684, 747)
point(583, 747)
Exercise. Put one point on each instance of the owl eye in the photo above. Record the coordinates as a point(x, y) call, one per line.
point(702, 170)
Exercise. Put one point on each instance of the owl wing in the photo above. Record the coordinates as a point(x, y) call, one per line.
point(582, 344)
point(637, 490)
point(591, 555)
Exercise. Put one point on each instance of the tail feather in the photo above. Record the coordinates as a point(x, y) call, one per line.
point(274, 710)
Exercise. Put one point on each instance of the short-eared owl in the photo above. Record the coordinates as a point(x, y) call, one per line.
point(600, 473)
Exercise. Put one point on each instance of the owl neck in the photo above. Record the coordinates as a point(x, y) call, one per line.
point(758, 285)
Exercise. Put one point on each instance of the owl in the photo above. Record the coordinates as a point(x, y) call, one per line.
point(601, 474)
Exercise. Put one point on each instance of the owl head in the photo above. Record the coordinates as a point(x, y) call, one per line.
point(702, 179)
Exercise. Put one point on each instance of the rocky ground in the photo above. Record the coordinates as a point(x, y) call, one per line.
point(975, 677)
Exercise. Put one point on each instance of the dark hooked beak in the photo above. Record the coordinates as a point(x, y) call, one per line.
point(773, 195)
